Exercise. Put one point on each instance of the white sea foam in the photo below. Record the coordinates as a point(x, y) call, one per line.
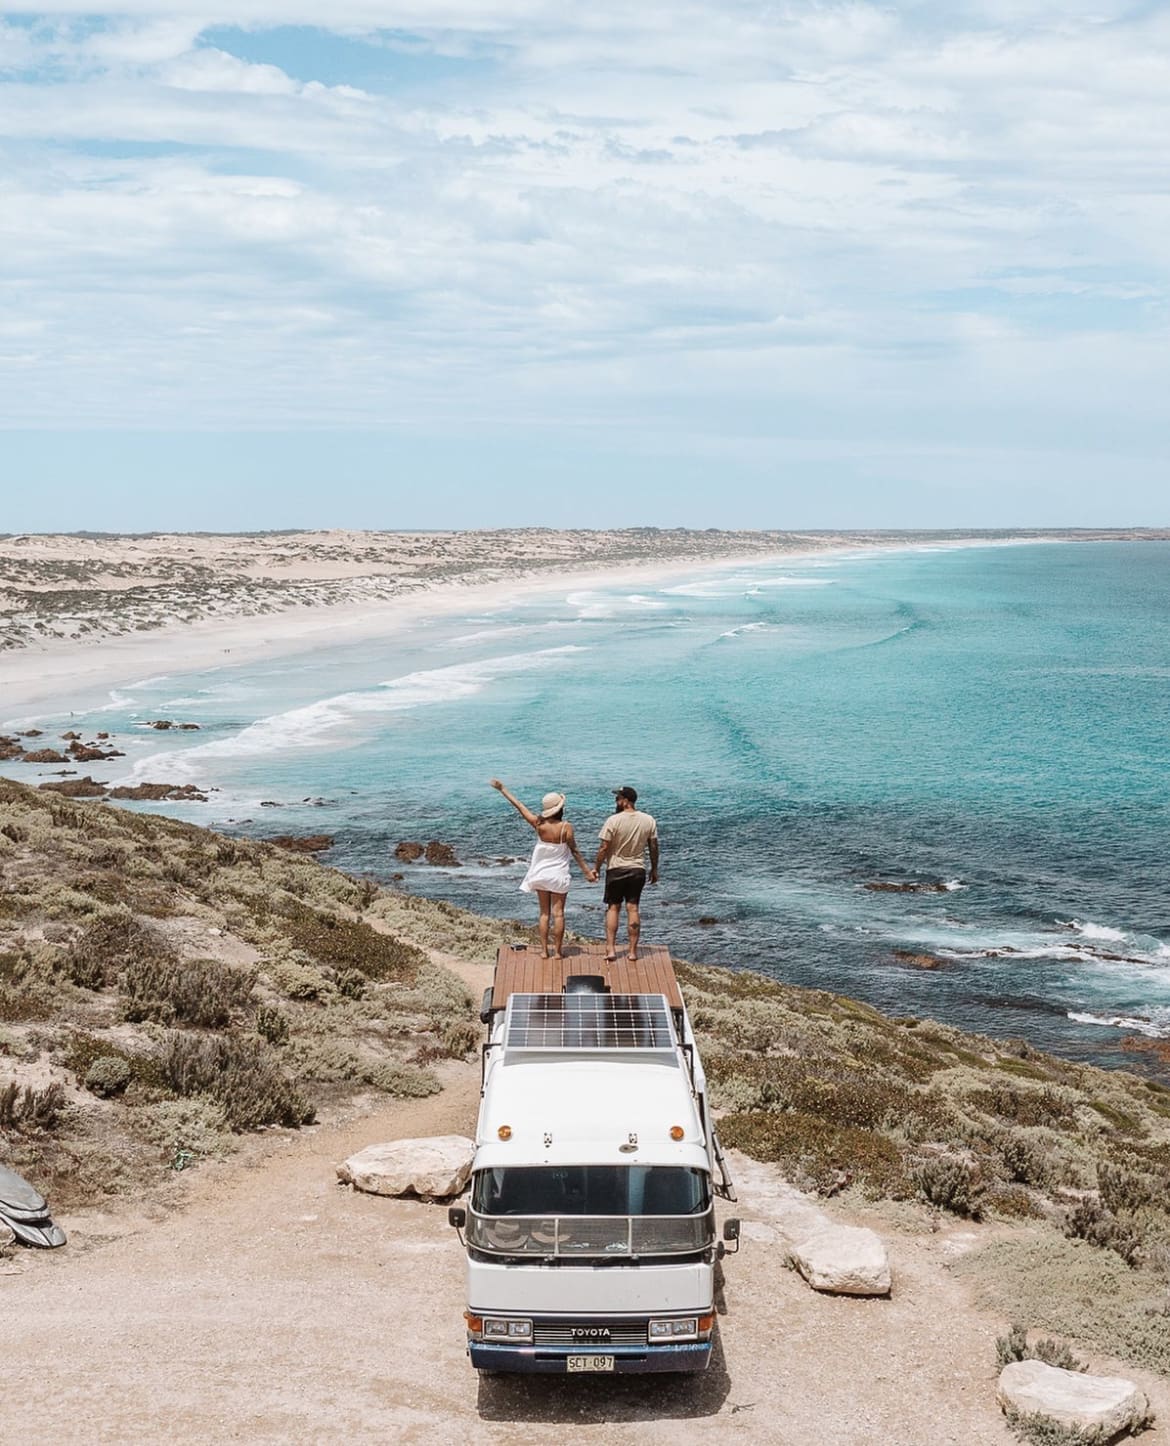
point(1095, 931)
point(1155, 1025)
point(744, 628)
point(325, 721)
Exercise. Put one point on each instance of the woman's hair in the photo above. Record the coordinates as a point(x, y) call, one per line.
point(554, 817)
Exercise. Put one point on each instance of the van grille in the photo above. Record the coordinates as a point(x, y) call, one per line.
point(562, 1333)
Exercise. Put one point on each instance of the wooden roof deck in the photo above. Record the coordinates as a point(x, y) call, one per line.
point(523, 971)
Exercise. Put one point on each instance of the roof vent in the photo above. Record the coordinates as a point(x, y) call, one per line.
point(586, 984)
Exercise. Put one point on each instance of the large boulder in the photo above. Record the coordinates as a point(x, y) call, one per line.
point(1106, 1405)
point(434, 1168)
point(842, 1260)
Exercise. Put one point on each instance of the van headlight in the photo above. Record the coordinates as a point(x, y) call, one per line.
point(678, 1328)
point(506, 1329)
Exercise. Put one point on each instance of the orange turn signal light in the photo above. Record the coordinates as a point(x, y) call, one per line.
point(677, 1132)
point(505, 1132)
point(706, 1323)
point(474, 1322)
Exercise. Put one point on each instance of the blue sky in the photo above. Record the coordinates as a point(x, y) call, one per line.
point(494, 262)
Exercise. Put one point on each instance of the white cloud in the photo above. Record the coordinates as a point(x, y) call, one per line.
point(653, 211)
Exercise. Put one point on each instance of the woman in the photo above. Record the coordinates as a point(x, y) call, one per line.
point(548, 871)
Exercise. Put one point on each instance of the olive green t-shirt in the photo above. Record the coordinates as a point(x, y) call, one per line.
point(628, 833)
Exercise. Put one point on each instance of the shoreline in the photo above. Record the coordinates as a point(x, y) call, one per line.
point(76, 674)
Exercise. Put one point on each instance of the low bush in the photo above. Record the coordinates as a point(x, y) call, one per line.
point(106, 946)
point(950, 1183)
point(272, 1024)
point(403, 1081)
point(199, 992)
point(28, 1109)
point(108, 1075)
point(1090, 1220)
point(347, 944)
point(240, 1074)
point(819, 1154)
point(461, 1036)
point(1015, 1347)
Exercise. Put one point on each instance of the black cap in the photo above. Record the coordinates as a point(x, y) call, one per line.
point(626, 792)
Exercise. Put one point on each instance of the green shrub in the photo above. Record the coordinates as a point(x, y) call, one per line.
point(403, 1081)
point(1025, 1160)
point(197, 1127)
point(297, 980)
point(28, 1109)
point(272, 1024)
point(240, 1074)
point(1015, 1347)
point(199, 992)
point(460, 1037)
point(818, 1154)
point(342, 943)
point(352, 983)
point(108, 1075)
point(951, 1184)
point(1090, 1220)
point(107, 946)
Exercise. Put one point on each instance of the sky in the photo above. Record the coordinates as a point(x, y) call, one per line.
point(474, 263)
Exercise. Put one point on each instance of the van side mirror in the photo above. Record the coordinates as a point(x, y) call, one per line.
point(457, 1217)
point(730, 1233)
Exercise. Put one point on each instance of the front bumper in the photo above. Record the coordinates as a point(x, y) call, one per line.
point(627, 1360)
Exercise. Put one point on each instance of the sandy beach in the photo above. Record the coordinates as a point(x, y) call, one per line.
point(81, 614)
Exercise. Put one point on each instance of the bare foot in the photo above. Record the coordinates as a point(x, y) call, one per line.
point(611, 958)
point(631, 958)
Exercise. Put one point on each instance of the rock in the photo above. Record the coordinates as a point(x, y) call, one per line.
point(434, 1168)
point(103, 735)
point(843, 1260)
point(84, 753)
point(441, 854)
point(707, 920)
point(270, 803)
point(10, 749)
point(1108, 1405)
point(161, 723)
point(312, 843)
point(7, 1236)
point(77, 788)
point(156, 792)
point(188, 727)
point(45, 755)
point(70, 737)
point(917, 961)
point(408, 852)
point(30, 733)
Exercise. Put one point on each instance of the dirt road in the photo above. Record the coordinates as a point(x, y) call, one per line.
point(275, 1305)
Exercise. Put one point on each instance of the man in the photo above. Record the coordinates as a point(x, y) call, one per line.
point(625, 837)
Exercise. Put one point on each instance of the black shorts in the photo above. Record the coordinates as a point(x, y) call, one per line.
point(624, 886)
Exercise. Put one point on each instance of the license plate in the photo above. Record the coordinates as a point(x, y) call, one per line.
point(590, 1363)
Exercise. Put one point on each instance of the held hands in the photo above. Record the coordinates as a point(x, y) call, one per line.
point(496, 784)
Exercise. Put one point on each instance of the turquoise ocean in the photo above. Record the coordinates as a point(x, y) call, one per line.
point(987, 724)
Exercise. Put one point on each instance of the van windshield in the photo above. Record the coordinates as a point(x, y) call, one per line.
point(591, 1190)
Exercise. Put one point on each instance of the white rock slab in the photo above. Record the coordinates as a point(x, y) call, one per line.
point(843, 1260)
point(1107, 1404)
point(434, 1168)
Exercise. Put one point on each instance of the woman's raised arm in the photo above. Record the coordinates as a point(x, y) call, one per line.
point(525, 813)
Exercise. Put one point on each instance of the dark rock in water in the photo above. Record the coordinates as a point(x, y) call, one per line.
point(31, 733)
point(70, 737)
point(10, 748)
point(160, 723)
point(397, 877)
point(1157, 1049)
point(270, 803)
point(312, 843)
point(85, 753)
point(408, 852)
point(77, 788)
point(64, 772)
point(158, 792)
point(707, 920)
point(918, 961)
point(894, 886)
point(187, 727)
point(441, 854)
point(45, 755)
point(103, 735)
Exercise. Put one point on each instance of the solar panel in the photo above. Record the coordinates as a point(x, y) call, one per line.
point(588, 1021)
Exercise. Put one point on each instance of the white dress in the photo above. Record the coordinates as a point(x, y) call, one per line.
point(548, 868)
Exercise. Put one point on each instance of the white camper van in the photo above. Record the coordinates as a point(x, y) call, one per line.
point(590, 1234)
